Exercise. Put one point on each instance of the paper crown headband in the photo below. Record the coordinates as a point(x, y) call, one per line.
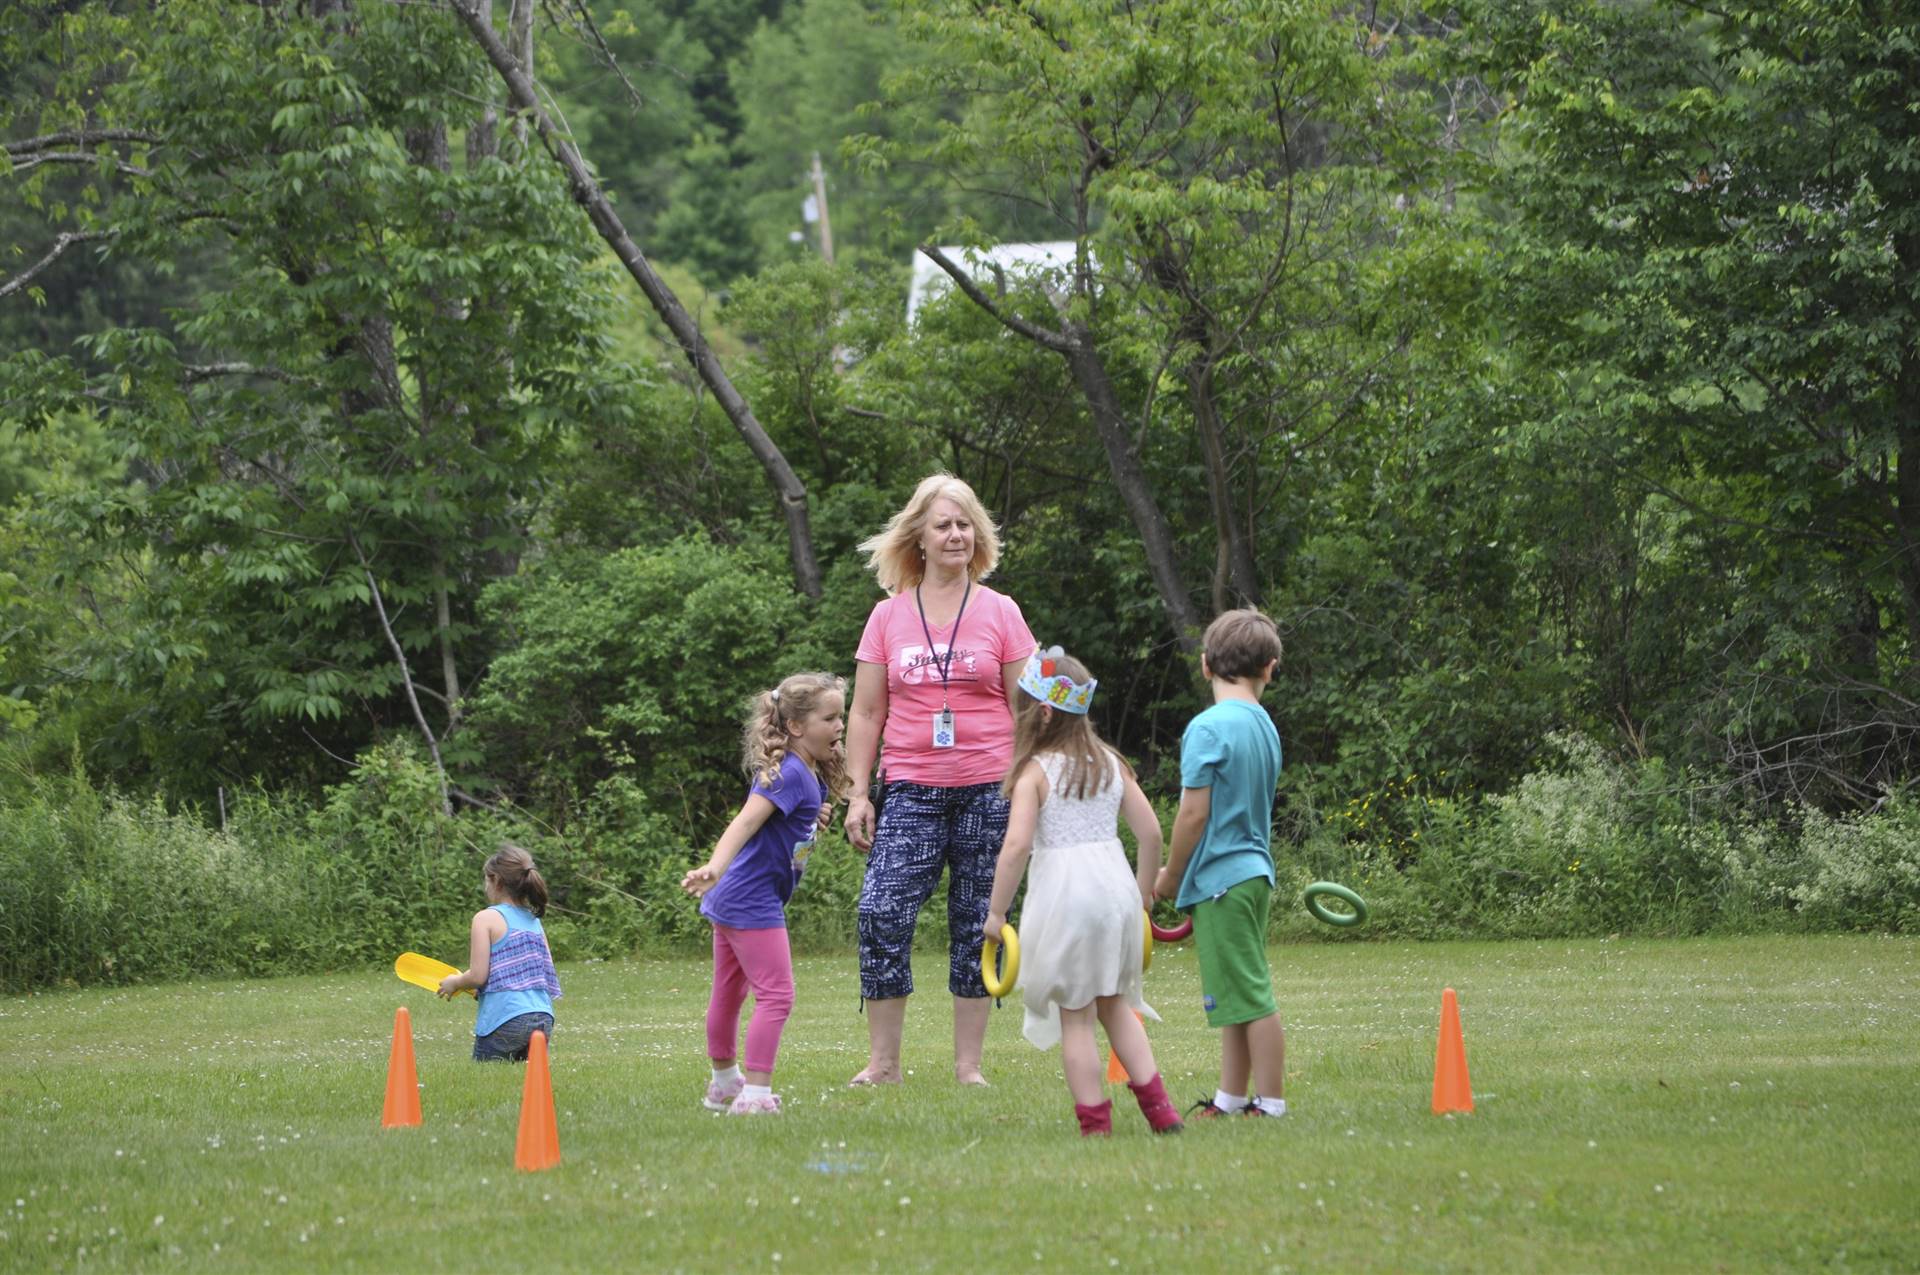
point(1040, 680)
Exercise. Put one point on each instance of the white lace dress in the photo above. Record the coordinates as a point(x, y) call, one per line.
point(1080, 928)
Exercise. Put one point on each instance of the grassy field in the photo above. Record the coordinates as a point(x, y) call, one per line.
point(1701, 1105)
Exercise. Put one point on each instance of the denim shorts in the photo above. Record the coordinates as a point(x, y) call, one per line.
point(508, 1042)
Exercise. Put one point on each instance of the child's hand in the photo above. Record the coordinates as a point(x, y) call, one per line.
point(700, 880)
point(996, 921)
point(1164, 885)
point(824, 820)
point(450, 986)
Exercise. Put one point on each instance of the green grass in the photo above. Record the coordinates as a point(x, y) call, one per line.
point(1695, 1105)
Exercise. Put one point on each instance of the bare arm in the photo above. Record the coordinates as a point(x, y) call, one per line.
point(489, 927)
point(1145, 826)
point(1023, 814)
point(1188, 825)
point(866, 719)
point(752, 817)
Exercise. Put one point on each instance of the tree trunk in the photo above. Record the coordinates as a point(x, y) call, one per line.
point(1234, 552)
point(587, 193)
point(520, 45)
point(1156, 538)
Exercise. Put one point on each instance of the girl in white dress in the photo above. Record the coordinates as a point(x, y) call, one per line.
point(1081, 931)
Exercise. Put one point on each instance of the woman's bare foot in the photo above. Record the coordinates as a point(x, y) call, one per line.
point(876, 1075)
point(971, 1076)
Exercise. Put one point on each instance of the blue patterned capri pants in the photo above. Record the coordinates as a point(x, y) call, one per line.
point(922, 830)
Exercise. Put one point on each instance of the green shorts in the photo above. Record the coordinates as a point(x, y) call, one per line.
point(1230, 934)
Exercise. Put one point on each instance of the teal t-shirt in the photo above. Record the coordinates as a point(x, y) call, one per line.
point(1233, 749)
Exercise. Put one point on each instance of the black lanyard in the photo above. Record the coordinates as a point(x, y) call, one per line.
point(952, 638)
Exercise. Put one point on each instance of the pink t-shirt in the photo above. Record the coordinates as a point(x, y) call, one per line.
point(992, 633)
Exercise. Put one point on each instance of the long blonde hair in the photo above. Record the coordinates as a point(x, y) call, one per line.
point(894, 554)
point(764, 743)
point(1038, 728)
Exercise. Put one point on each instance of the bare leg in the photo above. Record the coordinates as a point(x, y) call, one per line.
point(1267, 1045)
point(969, 1037)
point(1080, 1056)
point(1235, 1062)
point(886, 1021)
point(1128, 1038)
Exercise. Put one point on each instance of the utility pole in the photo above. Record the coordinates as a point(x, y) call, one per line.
point(820, 202)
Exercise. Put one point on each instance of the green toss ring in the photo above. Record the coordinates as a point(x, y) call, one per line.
point(1320, 912)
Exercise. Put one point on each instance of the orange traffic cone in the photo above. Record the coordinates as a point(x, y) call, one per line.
point(538, 1146)
point(1117, 1070)
point(403, 1083)
point(1451, 1092)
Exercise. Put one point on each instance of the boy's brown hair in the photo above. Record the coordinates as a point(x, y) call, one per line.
point(1241, 644)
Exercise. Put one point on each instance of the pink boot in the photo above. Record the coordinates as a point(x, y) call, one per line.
point(1156, 1106)
point(1096, 1120)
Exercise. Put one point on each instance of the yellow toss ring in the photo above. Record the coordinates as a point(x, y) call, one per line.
point(1146, 946)
point(989, 953)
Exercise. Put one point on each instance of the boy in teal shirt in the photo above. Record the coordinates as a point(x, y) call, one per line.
point(1220, 863)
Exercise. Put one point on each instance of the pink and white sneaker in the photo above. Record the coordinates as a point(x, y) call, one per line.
point(756, 1105)
point(720, 1097)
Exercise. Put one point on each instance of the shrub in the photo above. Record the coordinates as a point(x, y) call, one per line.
point(97, 887)
point(1822, 872)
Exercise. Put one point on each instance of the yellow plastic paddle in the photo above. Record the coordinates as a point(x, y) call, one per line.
point(424, 971)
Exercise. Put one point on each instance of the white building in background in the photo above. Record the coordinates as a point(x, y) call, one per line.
point(930, 281)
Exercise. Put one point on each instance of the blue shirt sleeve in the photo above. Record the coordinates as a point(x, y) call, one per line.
point(1201, 753)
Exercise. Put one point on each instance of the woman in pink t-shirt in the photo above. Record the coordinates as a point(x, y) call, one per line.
point(937, 665)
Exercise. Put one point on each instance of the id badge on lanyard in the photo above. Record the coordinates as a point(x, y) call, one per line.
point(944, 734)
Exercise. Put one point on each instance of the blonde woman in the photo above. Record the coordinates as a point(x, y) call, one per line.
point(936, 670)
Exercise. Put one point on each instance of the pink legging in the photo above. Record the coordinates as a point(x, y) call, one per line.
point(749, 960)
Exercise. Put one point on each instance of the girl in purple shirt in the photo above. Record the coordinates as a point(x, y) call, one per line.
point(791, 755)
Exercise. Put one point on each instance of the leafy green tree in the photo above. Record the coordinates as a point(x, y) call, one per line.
point(807, 85)
point(335, 448)
point(704, 225)
point(1220, 183)
point(1717, 225)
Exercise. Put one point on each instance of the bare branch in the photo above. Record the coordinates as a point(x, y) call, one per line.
point(78, 137)
point(197, 372)
point(67, 239)
point(581, 19)
point(406, 678)
point(79, 157)
point(1043, 337)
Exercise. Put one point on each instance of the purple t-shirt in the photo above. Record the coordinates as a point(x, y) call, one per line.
point(752, 894)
